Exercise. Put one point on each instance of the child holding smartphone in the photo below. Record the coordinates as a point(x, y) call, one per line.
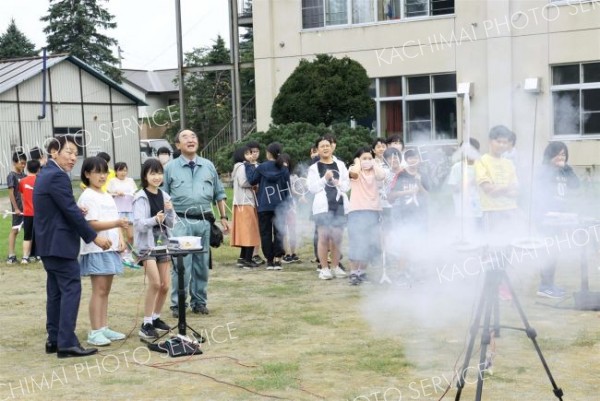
point(152, 215)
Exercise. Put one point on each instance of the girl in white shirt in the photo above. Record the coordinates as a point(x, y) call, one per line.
point(101, 212)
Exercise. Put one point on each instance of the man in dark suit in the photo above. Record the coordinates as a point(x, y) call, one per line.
point(58, 225)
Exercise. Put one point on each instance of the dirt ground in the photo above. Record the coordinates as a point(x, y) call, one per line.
point(288, 335)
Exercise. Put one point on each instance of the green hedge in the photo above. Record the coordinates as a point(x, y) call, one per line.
point(297, 139)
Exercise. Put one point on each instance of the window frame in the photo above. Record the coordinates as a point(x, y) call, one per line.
point(79, 136)
point(579, 87)
point(405, 98)
point(375, 10)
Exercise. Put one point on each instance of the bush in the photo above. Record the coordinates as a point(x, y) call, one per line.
point(297, 139)
point(325, 90)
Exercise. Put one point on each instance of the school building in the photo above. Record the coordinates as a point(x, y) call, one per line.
point(44, 98)
point(443, 68)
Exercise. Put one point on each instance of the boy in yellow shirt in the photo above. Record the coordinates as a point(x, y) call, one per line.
point(498, 190)
point(498, 186)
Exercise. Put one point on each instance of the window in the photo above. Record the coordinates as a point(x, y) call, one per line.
point(312, 14)
point(389, 10)
point(423, 8)
point(576, 99)
point(77, 134)
point(321, 13)
point(441, 7)
point(421, 108)
point(336, 12)
point(363, 11)
point(416, 8)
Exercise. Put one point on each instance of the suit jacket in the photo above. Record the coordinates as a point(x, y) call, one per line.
point(58, 223)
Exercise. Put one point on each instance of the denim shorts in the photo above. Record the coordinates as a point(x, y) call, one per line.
point(364, 235)
point(101, 264)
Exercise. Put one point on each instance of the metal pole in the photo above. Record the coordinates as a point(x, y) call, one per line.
point(236, 91)
point(182, 122)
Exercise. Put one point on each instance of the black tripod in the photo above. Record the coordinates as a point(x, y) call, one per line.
point(180, 345)
point(180, 269)
point(489, 305)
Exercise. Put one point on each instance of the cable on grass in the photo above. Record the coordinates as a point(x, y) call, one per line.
point(136, 319)
point(215, 379)
point(307, 391)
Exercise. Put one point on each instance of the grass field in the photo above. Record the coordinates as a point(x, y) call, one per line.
point(288, 335)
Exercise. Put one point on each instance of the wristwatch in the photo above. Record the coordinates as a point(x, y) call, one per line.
point(224, 217)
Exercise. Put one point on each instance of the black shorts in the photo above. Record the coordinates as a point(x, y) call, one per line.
point(17, 220)
point(27, 228)
point(158, 258)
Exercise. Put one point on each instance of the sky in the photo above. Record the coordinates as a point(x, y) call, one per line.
point(145, 28)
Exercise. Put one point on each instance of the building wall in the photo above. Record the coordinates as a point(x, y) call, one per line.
point(76, 99)
point(156, 102)
point(493, 44)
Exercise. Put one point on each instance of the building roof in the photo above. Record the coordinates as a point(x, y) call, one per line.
point(159, 81)
point(16, 71)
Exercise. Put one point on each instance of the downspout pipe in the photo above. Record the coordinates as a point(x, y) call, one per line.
point(44, 73)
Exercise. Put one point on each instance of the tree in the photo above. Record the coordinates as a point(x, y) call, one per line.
point(247, 55)
point(73, 27)
point(326, 90)
point(207, 94)
point(14, 43)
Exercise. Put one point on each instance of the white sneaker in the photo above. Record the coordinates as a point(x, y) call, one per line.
point(338, 272)
point(325, 274)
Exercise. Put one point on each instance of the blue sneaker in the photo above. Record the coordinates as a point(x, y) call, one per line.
point(113, 335)
point(131, 264)
point(97, 338)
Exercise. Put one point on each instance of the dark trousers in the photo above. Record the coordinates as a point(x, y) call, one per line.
point(246, 253)
point(63, 292)
point(270, 237)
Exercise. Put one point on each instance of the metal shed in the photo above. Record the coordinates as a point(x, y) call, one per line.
point(43, 98)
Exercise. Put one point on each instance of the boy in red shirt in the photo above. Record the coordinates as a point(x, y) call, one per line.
point(26, 188)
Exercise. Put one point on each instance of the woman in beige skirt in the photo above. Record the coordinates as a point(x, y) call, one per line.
point(245, 234)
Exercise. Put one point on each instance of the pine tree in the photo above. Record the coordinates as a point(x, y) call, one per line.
point(73, 27)
point(14, 43)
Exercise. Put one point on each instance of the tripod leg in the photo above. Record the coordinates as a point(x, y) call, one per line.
point(199, 337)
point(497, 314)
point(485, 332)
point(460, 384)
point(531, 333)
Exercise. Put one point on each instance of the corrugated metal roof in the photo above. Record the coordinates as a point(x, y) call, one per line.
point(152, 81)
point(15, 71)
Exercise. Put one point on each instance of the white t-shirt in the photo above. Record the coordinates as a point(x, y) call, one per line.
point(101, 207)
point(127, 186)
